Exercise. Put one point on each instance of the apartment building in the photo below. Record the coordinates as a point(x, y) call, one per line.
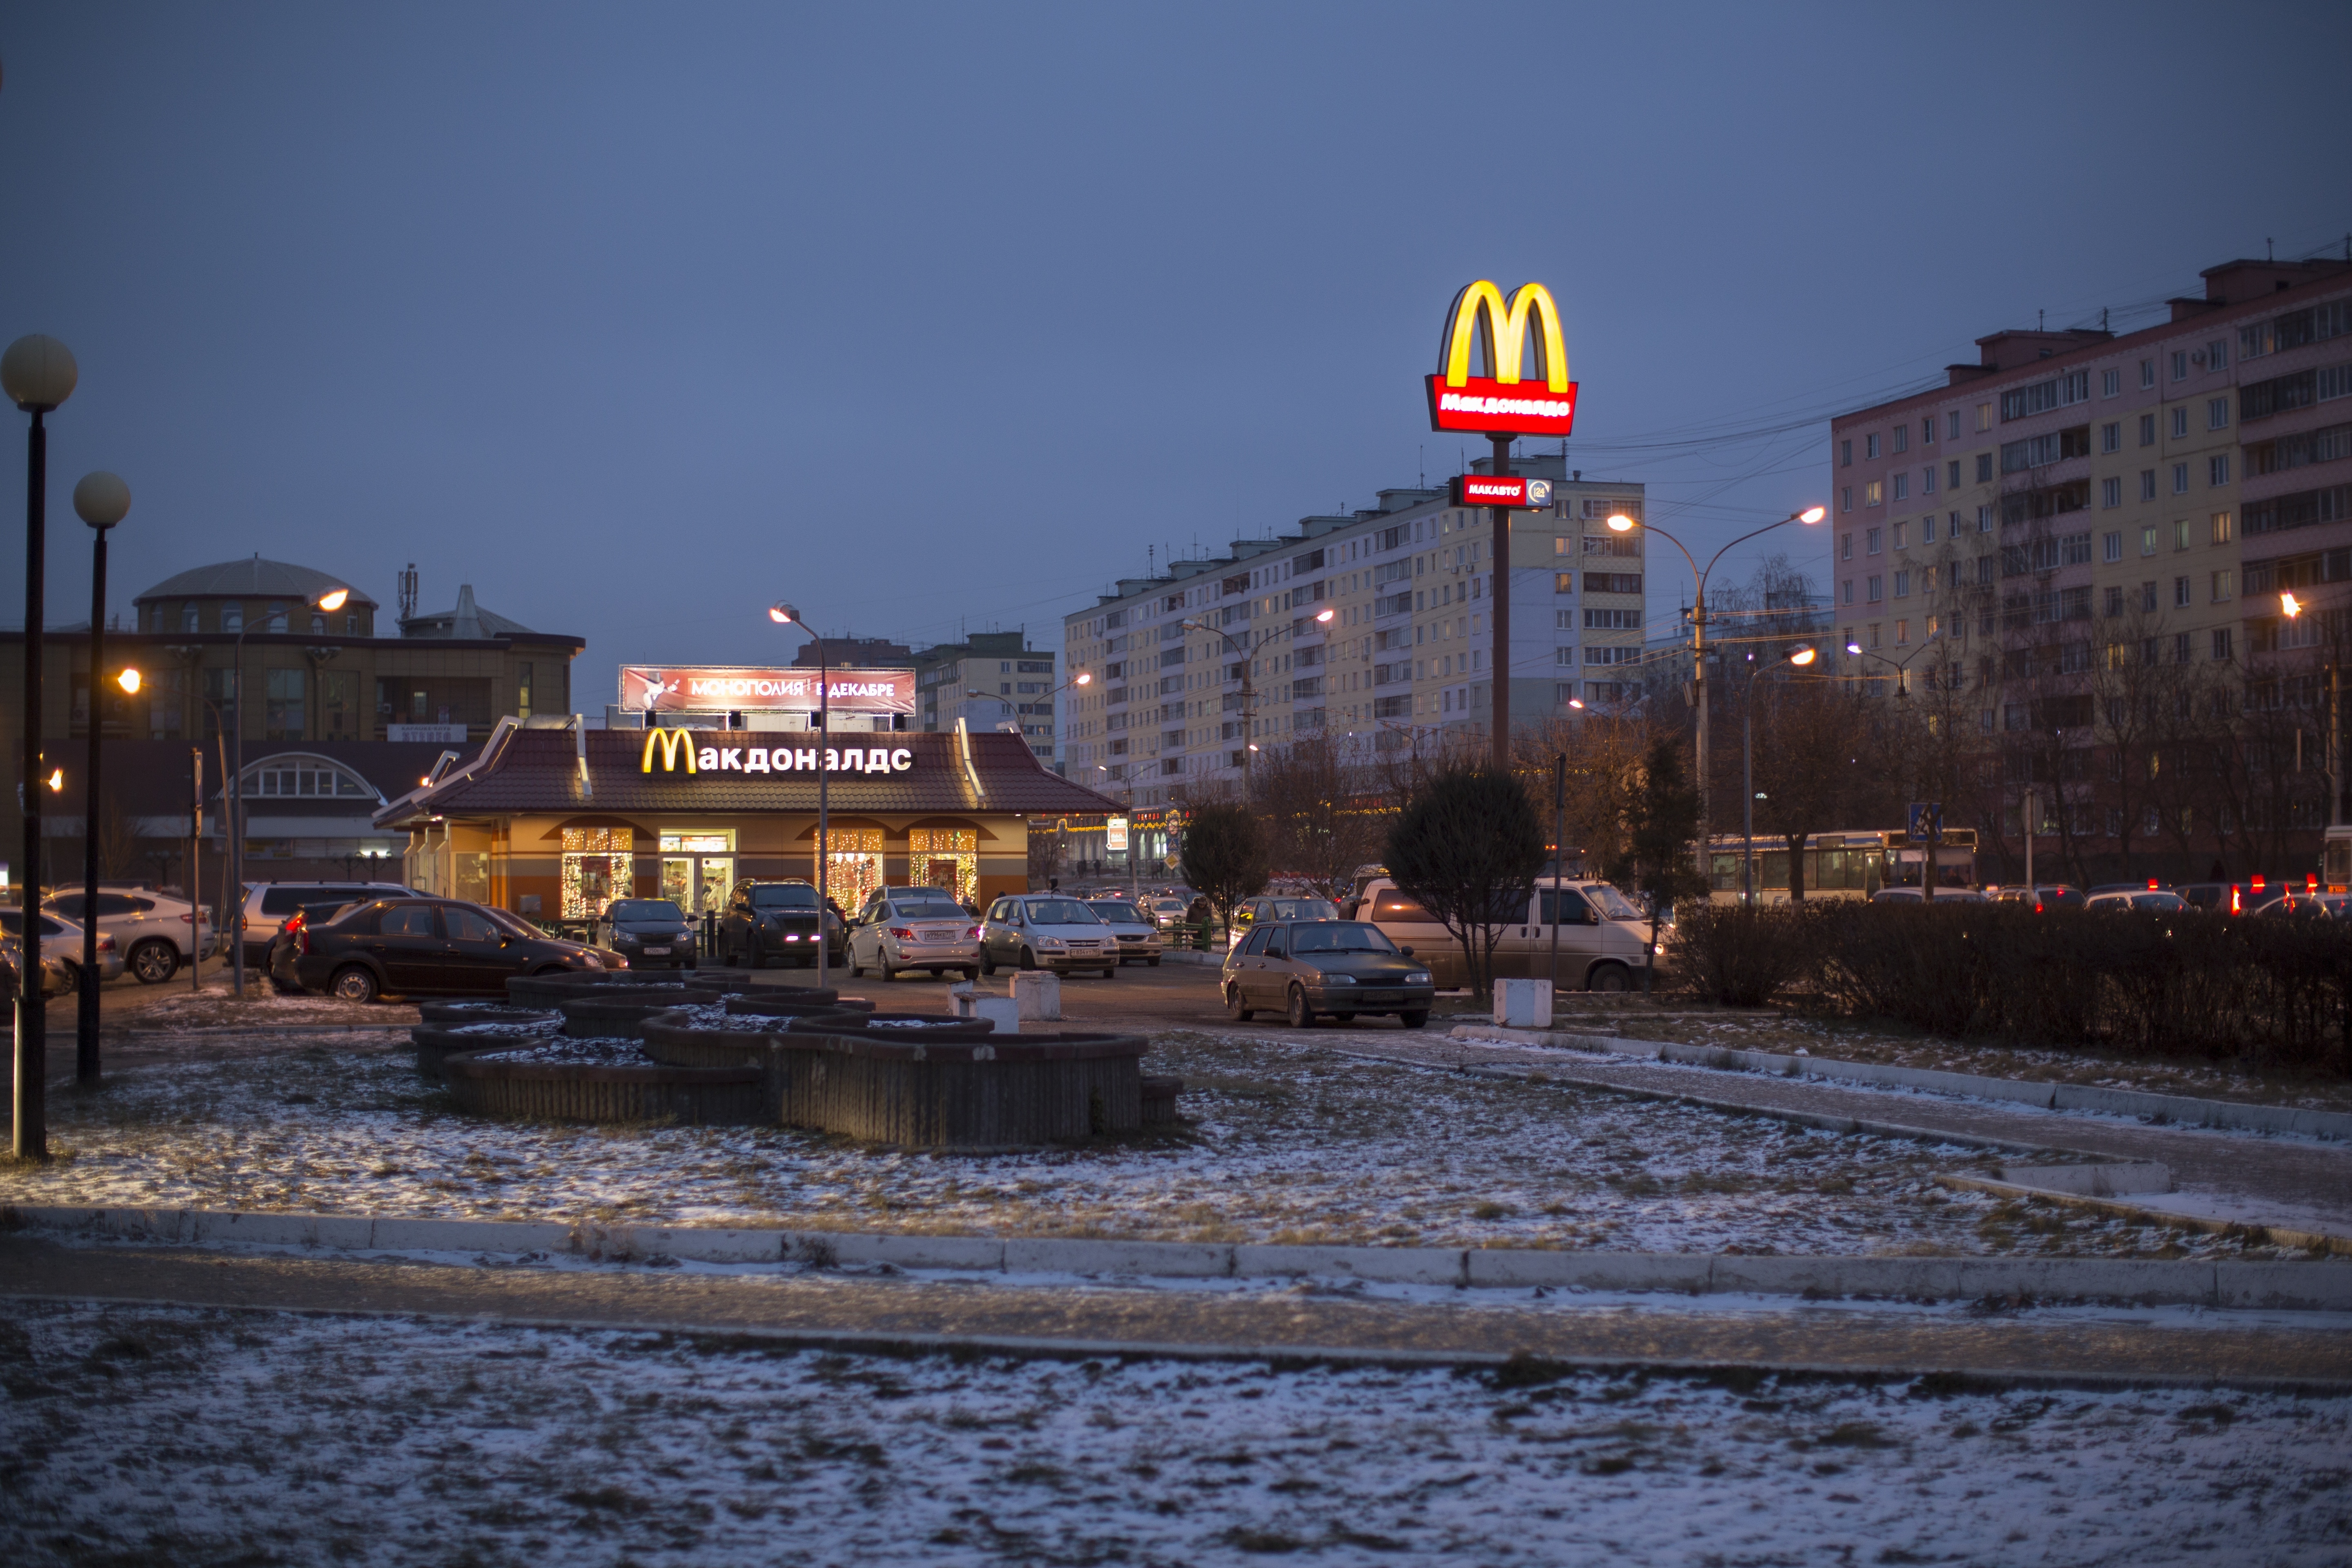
point(2079, 501)
point(1373, 626)
point(990, 680)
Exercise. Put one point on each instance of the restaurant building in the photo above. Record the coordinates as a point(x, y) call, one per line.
point(551, 818)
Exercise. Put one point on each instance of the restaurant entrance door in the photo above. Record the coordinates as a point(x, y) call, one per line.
point(698, 868)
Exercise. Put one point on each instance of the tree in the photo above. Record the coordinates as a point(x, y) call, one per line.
point(1661, 821)
point(1810, 736)
point(1467, 847)
point(1319, 821)
point(1224, 856)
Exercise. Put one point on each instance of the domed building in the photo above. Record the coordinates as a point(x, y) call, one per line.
point(334, 719)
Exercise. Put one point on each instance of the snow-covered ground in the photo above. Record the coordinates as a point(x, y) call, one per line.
point(183, 1434)
point(1288, 1142)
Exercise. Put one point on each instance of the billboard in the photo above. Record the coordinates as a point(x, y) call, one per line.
point(1503, 404)
point(1483, 489)
point(733, 688)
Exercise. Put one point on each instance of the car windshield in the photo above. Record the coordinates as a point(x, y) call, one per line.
point(1304, 910)
point(783, 896)
point(1613, 904)
point(1340, 936)
point(643, 910)
point(1119, 913)
point(938, 907)
point(1062, 913)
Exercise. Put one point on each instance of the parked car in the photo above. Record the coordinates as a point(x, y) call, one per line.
point(651, 933)
point(902, 928)
point(2155, 899)
point(771, 920)
point(56, 978)
point(1045, 930)
point(156, 934)
point(414, 946)
point(2305, 906)
point(1603, 936)
point(1345, 968)
point(1166, 909)
point(61, 943)
point(1272, 907)
point(268, 905)
point(1138, 932)
point(2041, 899)
point(1943, 895)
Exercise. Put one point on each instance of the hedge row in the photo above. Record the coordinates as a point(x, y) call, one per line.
point(2274, 991)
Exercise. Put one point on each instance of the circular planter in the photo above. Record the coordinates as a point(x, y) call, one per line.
point(619, 1015)
point(909, 1027)
point(436, 1043)
point(562, 985)
point(793, 1000)
point(455, 1013)
point(562, 1091)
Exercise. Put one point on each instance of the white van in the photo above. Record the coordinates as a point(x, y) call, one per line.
point(1602, 936)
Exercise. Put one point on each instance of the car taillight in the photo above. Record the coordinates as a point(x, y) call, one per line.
point(974, 933)
point(105, 942)
point(902, 933)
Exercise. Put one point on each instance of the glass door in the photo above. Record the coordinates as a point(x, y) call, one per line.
point(678, 881)
point(715, 875)
point(698, 868)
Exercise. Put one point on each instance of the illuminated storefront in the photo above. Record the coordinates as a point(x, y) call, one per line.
point(564, 819)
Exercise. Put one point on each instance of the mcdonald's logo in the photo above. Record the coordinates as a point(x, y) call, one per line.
point(1503, 402)
point(675, 745)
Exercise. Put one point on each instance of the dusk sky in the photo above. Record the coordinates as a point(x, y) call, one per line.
point(937, 318)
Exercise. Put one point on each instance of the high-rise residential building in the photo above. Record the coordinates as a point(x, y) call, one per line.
point(1372, 625)
point(2080, 505)
point(990, 680)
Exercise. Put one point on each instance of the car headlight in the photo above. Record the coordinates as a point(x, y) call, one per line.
point(1339, 980)
point(591, 961)
point(1418, 978)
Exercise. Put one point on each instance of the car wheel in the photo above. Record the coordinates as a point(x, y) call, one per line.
point(1028, 959)
point(1112, 973)
point(154, 961)
point(1611, 977)
point(1240, 1014)
point(72, 972)
point(354, 982)
point(1412, 1020)
point(972, 976)
point(857, 970)
point(987, 961)
point(1151, 963)
point(1302, 1012)
point(1345, 1018)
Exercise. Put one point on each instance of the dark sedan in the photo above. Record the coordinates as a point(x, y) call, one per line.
point(420, 947)
point(1339, 967)
point(651, 933)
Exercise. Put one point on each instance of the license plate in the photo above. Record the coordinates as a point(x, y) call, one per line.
point(939, 936)
point(657, 952)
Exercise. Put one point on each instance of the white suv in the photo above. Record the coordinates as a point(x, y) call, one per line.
point(156, 933)
point(268, 905)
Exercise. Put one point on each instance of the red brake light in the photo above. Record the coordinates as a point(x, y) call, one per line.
point(2258, 884)
point(902, 933)
point(2151, 884)
point(974, 933)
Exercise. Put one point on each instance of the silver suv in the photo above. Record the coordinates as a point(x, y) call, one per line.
point(156, 933)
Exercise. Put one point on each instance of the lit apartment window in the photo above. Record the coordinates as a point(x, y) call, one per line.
point(1902, 633)
point(2180, 479)
point(1845, 454)
point(2181, 593)
point(2148, 540)
point(2111, 436)
point(2221, 585)
point(2217, 469)
point(1870, 446)
point(2225, 528)
point(1874, 494)
point(1984, 417)
point(2111, 492)
point(2147, 373)
point(2111, 545)
point(2111, 382)
point(2217, 414)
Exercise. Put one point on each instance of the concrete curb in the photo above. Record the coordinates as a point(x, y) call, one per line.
point(2182, 1108)
point(2300, 1286)
point(2284, 1235)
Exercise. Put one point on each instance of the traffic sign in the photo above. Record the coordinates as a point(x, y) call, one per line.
point(1925, 820)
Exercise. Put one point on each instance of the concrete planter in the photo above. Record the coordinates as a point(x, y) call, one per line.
point(909, 1027)
point(437, 1043)
point(560, 1091)
point(619, 1016)
point(794, 1001)
point(546, 990)
point(1159, 1100)
point(452, 1014)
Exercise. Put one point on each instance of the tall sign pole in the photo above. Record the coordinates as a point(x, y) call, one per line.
point(1498, 405)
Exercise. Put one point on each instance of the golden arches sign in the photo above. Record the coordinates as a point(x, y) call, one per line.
point(1503, 402)
point(673, 745)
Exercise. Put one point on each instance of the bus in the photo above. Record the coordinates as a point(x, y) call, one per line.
point(1845, 864)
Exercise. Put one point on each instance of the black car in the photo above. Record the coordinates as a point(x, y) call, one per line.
point(651, 933)
point(769, 921)
point(419, 947)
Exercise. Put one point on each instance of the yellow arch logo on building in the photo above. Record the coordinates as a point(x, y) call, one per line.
point(672, 744)
point(1505, 326)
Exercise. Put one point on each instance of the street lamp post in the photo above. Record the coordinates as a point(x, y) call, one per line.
point(101, 500)
point(783, 614)
point(2291, 607)
point(1902, 668)
point(233, 896)
point(1800, 656)
point(1248, 652)
point(37, 373)
point(1621, 524)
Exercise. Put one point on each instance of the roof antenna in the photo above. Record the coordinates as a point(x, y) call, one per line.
point(2037, 320)
point(2103, 318)
point(2270, 248)
point(1421, 461)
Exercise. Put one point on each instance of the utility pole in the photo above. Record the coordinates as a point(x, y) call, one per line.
point(1499, 661)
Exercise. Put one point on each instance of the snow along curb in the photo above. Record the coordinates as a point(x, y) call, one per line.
point(2185, 1109)
point(2311, 1287)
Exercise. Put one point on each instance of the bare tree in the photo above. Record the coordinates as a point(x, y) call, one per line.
point(1324, 816)
point(1812, 737)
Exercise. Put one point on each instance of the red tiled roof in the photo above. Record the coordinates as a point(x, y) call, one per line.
point(539, 770)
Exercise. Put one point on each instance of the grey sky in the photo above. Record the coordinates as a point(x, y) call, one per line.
point(637, 319)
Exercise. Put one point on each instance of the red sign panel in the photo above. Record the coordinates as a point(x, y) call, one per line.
point(704, 688)
point(1485, 489)
point(1487, 407)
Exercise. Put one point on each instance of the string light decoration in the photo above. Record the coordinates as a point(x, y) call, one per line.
point(927, 848)
point(853, 865)
point(597, 865)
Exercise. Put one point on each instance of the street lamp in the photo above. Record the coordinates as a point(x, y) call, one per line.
point(1621, 524)
point(37, 373)
point(233, 896)
point(2290, 606)
point(1248, 652)
point(100, 501)
point(784, 615)
point(1800, 657)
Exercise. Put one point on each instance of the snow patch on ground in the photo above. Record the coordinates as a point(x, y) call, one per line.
point(564, 1051)
point(187, 1434)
